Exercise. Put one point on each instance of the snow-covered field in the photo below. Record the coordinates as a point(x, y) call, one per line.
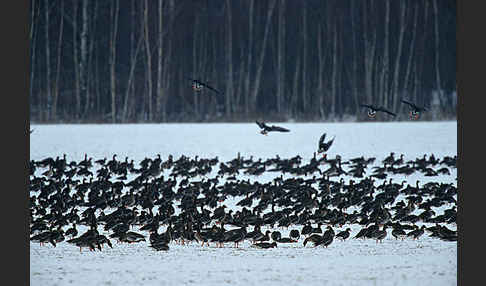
point(427, 261)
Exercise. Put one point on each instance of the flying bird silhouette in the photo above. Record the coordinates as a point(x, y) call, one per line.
point(265, 128)
point(323, 146)
point(198, 85)
point(416, 110)
point(373, 109)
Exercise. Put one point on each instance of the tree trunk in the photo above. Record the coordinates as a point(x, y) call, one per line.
point(320, 78)
point(403, 26)
point(256, 88)
point(133, 64)
point(295, 93)
point(88, 106)
point(33, 36)
point(334, 73)
point(58, 68)
point(369, 54)
point(229, 63)
point(406, 81)
point(159, 60)
point(48, 62)
point(249, 56)
point(354, 74)
point(76, 59)
point(149, 60)
point(421, 60)
point(384, 73)
point(115, 7)
point(304, 57)
point(134, 49)
point(195, 62)
point(281, 56)
point(437, 51)
point(167, 74)
point(84, 57)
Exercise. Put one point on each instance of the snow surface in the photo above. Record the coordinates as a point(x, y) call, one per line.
point(427, 261)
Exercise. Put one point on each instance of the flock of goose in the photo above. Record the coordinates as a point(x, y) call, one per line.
point(188, 200)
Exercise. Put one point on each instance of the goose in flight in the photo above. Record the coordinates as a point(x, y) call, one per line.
point(265, 128)
point(373, 109)
point(324, 146)
point(416, 110)
point(198, 85)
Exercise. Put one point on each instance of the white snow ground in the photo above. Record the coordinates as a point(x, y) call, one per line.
point(427, 261)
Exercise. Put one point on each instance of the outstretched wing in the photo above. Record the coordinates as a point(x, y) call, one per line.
point(212, 88)
point(409, 103)
point(321, 140)
point(262, 125)
point(278, 128)
point(328, 144)
point(368, 106)
point(414, 106)
point(387, 111)
point(325, 146)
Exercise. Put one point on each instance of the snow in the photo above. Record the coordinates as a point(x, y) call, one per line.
point(427, 261)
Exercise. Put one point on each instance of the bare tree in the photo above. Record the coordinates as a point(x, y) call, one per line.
point(135, 47)
point(128, 90)
point(76, 60)
point(249, 55)
point(115, 7)
point(281, 56)
point(160, 59)
point(304, 56)
point(334, 72)
point(196, 59)
point(354, 74)
point(58, 64)
point(91, 78)
point(295, 93)
point(149, 60)
point(256, 88)
point(411, 52)
point(167, 74)
point(320, 77)
point(420, 60)
point(369, 52)
point(384, 69)
point(437, 53)
point(402, 27)
point(229, 63)
point(84, 55)
point(33, 52)
point(48, 62)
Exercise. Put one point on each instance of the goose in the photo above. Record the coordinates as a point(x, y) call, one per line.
point(265, 245)
point(373, 109)
point(343, 235)
point(398, 233)
point(324, 146)
point(263, 237)
point(294, 234)
point(418, 232)
point(379, 235)
point(415, 109)
point(265, 128)
point(198, 85)
point(131, 237)
point(314, 238)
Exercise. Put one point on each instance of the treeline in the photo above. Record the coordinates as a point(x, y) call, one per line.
point(312, 60)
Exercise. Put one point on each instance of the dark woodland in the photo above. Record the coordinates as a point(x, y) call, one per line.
point(313, 60)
